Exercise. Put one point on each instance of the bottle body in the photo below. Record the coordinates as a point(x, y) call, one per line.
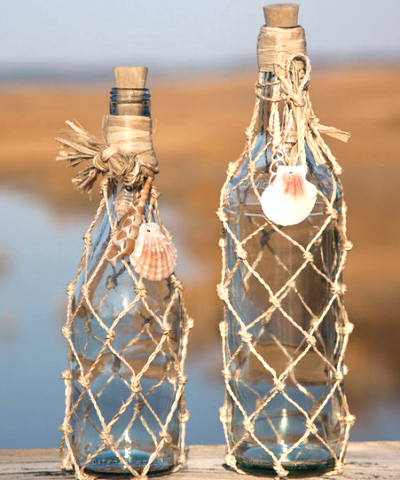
point(284, 338)
point(127, 383)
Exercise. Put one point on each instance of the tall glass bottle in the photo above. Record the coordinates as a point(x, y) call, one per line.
point(125, 333)
point(284, 329)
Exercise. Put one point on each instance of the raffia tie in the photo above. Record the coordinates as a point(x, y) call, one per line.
point(126, 156)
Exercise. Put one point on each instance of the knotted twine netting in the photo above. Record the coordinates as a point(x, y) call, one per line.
point(126, 158)
point(290, 100)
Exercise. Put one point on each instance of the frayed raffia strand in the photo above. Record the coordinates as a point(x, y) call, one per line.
point(126, 156)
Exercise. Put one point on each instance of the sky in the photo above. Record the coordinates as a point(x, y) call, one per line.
point(90, 35)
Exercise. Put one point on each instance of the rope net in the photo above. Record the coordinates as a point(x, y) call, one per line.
point(286, 329)
point(127, 326)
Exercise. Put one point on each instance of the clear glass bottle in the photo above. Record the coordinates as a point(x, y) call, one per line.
point(132, 388)
point(280, 312)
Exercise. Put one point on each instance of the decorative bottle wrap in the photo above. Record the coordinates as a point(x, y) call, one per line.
point(284, 247)
point(127, 326)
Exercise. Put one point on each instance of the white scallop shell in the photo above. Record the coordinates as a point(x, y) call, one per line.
point(155, 256)
point(290, 198)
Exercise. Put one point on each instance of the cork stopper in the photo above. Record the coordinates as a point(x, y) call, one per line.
point(130, 77)
point(281, 15)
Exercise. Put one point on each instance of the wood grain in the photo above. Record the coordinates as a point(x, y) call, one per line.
point(365, 461)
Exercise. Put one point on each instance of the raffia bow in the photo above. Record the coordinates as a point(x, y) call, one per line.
point(110, 161)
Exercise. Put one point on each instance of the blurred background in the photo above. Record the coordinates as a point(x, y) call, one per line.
point(56, 64)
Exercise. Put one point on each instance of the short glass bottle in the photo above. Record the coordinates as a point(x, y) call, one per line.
point(135, 391)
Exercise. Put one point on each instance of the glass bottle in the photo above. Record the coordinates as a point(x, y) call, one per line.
point(127, 400)
point(284, 323)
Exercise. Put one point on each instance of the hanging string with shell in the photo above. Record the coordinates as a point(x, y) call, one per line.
point(289, 198)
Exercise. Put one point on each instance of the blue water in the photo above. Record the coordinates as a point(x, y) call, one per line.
point(39, 253)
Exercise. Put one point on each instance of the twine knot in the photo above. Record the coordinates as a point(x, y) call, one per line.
point(84, 381)
point(223, 292)
point(164, 435)
point(311, 426)
point(135, 384)
point(66, 332)
point(338, 289)
point(280, 470)
point(66, 428)
point(107, 438)
point(227, 374)
point(110, 336)
point(308, 256)
point(350, 420)
point(66, 375)
point(249, 427)
point(185, 415)
point(87, 239)
point(223, 329)
point(241, 252)
point(224, 414)
point(140, 289)
point(275, 301)
point(71, 288)
point(166, 328)
point(332, 212)
point(182, 378)
point(246, 336)
point(339, 376)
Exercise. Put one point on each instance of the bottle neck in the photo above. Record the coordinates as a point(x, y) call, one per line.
point(130, 101)
point(128, 127)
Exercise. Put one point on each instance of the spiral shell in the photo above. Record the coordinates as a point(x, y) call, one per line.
point(276, 132)
point(290, 198)
point(155, 256)
point(123, 202)
point(128, 228)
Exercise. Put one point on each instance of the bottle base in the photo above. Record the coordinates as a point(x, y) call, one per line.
point(109, 463)
point(303, 461)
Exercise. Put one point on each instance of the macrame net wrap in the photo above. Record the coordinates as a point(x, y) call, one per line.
point(290, 96)
point(116, 163)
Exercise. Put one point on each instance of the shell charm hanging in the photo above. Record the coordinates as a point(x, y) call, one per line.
point(123, 202)
point(130, 217)
point(155, 256)
point(290, 198)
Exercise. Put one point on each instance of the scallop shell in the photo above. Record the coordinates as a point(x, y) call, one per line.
point(155, 255)
point(123, 202)
point(290, 198)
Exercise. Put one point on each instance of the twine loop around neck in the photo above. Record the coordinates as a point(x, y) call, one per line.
point(127, 156)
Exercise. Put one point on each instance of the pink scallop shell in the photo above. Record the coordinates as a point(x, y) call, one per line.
point(290, 198)
point(155, 256)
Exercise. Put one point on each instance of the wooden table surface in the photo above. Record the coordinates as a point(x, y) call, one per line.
point(365, 461)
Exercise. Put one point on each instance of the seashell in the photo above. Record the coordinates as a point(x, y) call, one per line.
point(276, 132)
point(290, 198)
point(124, 241)
point(155, 255)
point(290, 130)
point(123, 202)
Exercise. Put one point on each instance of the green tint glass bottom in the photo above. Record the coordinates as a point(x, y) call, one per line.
point(108, 462)
point(303, 461)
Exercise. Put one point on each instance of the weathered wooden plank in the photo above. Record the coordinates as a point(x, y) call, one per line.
point(365, 461)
